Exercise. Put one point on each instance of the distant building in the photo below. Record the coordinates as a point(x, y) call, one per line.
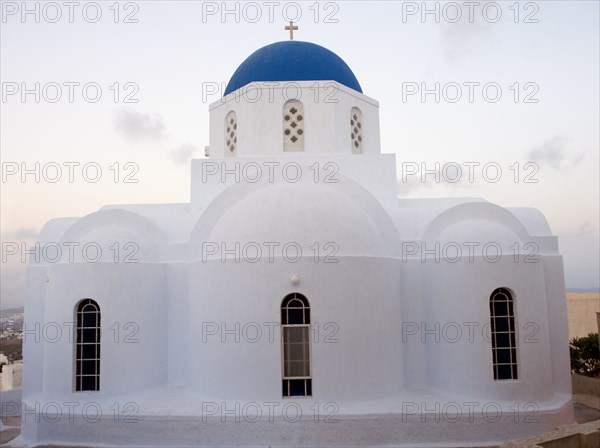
point(582, 309)
point(10, 376)
point(296, 300)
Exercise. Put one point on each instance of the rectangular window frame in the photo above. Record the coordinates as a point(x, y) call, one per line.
point(512, 348)
point(78, 367)
point(286, 380)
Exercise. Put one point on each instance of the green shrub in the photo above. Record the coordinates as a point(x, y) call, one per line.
point(585, 355)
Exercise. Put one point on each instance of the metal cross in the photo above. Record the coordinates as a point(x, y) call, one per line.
point(291, 28)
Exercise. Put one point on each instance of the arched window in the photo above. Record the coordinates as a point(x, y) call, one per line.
point(504, 347)
point(356, 130)
point(293, 126)
point(231, 134)
point(295, 337)
point(87, 356)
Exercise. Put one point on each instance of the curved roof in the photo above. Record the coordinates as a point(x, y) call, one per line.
point(343, 214)
point(292, 61)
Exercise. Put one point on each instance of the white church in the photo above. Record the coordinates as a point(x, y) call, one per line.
point(296, 300)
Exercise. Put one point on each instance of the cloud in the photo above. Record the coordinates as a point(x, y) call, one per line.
point(410, 185)
point(553, 152)
point(580, 254)
point(13, 284)
point(20, 234)
point(140, 126)
point(182, 154)
point(584, 230)
point(462, 32)
point(414, 176)
point(136, 125)
point(13, 267)
point(460, 39)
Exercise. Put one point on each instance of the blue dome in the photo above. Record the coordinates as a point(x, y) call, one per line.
point(293, 61)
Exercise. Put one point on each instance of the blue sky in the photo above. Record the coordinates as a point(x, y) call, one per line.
point(543, 56)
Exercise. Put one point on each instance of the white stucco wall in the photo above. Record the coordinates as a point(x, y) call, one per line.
point(355, 352)
point(327, 110)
